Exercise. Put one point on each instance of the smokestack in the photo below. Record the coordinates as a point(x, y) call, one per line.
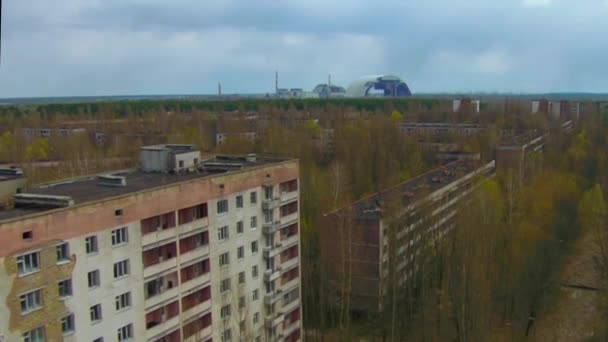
point(219, 89)
point(276, 82)
point(329, 80)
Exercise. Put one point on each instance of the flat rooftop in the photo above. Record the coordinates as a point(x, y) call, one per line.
point(440, 125)
point(86, 189)
point(4, 178)
point(9, 173)
point(415, 189)
point(519, 139)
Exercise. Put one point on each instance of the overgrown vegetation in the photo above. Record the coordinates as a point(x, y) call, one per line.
point(480, 284)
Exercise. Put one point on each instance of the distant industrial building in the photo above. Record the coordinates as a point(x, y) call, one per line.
point(290, 93)
point(356, 242)
point(329, 91)
point(378, 86)
point(367, 86)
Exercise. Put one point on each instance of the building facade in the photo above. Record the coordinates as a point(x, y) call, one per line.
point(201, 253)
point(440, 128)
point(559, 110)
point(358, 248)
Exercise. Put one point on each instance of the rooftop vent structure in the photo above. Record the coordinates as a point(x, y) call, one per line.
point(169, 158)
point(112, 181)
point(41, 200)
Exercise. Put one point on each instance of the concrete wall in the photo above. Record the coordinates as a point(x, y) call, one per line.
point(9, 187)
point(350, 250)
point(189, 159)
point(154, 160)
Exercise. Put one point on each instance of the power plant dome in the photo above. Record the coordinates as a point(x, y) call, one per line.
point(378, 86)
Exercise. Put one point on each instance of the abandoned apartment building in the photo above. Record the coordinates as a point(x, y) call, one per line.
point(184, 248)
point(355, 240)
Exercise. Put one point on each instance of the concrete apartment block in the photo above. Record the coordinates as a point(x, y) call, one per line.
point(206, 249)
point(356, 242)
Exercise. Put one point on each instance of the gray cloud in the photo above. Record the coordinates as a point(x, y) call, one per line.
point(102, 47)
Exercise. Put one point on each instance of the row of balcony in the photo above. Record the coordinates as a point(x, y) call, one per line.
point(273, 297)
point(291, 328)
point(161, 329)
point(272, 251)
point(169, 264)
point(201, 335)
point(272, 275)
point(274, 319)
point(275, 226)
point(172, 293)
point(170, 233)
point(289, 264)
point(276, 201)
point(290, 241)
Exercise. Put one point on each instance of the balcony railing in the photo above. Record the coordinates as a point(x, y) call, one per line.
point(193, 283)
point(291, 328)
point(271, 203)
point(196, 310)
point(290, 241)
point(290, 284)
point(273, 297)
point(288, 220)
point(193, 225)
point(271, 227)
point(201, 335)
point(272, 251)
point(194, 254)
point(273, 320)
point(289, 307)
point(162, 328)
point(290, 264)
point(158, 236)
point(160, 267)
point(169, 294)
point(271, 275)
point(287, 197)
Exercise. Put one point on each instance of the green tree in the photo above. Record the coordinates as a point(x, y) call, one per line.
point(7, 146)
point(39, 149)
point(396, 116)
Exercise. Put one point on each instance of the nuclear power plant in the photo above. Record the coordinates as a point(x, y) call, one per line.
point(366, 86)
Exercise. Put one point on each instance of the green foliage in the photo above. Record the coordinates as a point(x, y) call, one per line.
point(396, 117)
point(190, 135)
point(140, 107)
point(592, 209)
point(7, 146)
point(39, 149)
point(313, 127)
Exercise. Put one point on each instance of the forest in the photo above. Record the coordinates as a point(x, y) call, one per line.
point(499, 267)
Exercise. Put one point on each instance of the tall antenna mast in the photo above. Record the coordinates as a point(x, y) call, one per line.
point(329, 80)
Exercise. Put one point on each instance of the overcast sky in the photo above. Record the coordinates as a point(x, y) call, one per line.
point(117, 47)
